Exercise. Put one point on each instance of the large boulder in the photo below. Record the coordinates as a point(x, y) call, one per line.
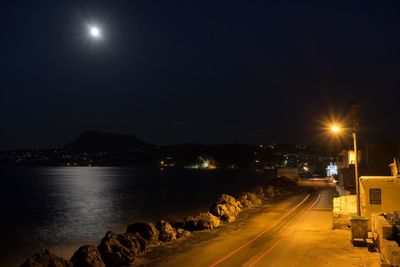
point(229, 200)
point(249, 200)
point(227, 208)
point(260, 193)
point(166, 231)
point(87, 256)
point(226, 212)
point(207, 221)
point(203, 221)
point(120, 249)
point(44, 258)
point(245, 202)
point(228, 218)
point(190, 223)
point(146, 230)
point(270, 192)
point(182, 233)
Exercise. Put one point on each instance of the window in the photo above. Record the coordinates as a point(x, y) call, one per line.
point(375, 196)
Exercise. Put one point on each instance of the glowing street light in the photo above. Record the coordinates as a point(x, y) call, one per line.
point(335, 128)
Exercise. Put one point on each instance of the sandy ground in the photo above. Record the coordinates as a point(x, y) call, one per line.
point(260, 237)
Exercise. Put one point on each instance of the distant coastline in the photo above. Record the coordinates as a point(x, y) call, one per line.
point(97, 148)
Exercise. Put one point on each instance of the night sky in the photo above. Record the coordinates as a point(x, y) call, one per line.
point(196, 71)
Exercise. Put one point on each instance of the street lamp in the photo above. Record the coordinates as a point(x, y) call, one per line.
point(337, 129)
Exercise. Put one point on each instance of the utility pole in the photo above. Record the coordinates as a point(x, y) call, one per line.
point(355, 126)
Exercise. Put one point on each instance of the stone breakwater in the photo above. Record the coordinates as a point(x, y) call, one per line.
point(120, 249)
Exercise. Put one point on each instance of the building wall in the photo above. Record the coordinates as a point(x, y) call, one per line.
point(390, 194)
point(346, 178)
point(342, 159)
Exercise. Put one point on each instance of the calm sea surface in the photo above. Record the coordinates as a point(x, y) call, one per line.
point(56, 207)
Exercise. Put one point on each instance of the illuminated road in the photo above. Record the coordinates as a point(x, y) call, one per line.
point(261, 240)
point(256, 249)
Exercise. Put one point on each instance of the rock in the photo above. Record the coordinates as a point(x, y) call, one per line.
point(87, 256)
point(134, 242)
point(228, 218)
point(227, 199)
point(226, 208)
point(146, 230)
point(121, 249)
point(190, 223)
point(269, 192)
point(246, 203)
point(260, 193)
point(44, 258)
point(203, 221)
point(226, 212)
point(249, 200)
point(207, 221)
point(182, 233)
point(166, 231)
point(254, 199)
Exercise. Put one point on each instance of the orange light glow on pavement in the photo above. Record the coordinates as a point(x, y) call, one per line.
point(260, 234)
point(292, 228)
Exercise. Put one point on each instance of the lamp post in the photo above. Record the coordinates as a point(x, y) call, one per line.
point(356, 172)
point(337, 129)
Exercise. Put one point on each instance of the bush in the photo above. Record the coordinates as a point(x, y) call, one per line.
point(394, 220)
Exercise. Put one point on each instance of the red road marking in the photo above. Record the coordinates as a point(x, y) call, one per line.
point(277, 242)
point(259, 235)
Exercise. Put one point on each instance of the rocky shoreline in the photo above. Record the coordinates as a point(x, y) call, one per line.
point(121, 249)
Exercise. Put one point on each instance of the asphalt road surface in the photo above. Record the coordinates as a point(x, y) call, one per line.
point(264, 239)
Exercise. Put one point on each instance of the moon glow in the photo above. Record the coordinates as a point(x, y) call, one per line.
point(95, 32)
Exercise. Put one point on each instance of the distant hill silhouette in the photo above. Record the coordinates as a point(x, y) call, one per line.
point(123, 149)
point(101, 141)
point(96, 148)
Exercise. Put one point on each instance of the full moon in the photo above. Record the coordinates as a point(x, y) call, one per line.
point(95, 32)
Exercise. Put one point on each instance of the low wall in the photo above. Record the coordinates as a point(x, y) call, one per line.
point(381, 233)
point(341, 191)
point(344, 208)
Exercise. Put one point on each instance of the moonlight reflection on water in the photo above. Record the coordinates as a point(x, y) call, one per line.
point(61, 206)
